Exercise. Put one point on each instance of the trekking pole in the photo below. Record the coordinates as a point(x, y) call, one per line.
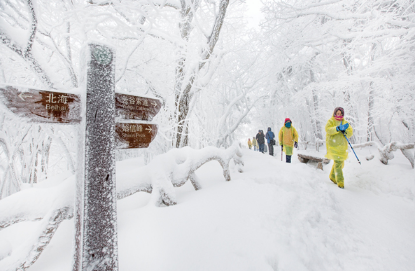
point(281, 154)
point(351, 147)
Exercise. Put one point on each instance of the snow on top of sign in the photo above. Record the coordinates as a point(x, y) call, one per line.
point(126, 92)
point(102, 43)
point(25, 88)
point(122, 120)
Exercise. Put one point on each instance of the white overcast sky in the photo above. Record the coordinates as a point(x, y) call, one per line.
point(254, 10)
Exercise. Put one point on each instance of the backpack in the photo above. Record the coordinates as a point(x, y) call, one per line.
point(271, 136)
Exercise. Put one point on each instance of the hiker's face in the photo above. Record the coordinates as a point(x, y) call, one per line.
point(338, 113)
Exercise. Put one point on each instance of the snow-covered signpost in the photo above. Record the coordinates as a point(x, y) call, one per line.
point(96, 202)
point(100, 133)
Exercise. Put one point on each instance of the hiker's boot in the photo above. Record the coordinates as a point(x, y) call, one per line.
point(340, 185)
point(333, 181)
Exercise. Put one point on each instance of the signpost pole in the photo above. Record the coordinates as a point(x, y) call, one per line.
point(96, 209)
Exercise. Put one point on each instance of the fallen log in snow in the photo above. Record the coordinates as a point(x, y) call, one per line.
point(174, 169)
point(55, 204)
point(34, 203)
point(320, 161)
point(385, 152)
point(34, 246)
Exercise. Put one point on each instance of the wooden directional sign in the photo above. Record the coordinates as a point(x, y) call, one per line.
point(134, 135)
point(41, 105)
point(135, 107)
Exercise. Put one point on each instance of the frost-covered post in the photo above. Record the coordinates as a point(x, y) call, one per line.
point(96, 209)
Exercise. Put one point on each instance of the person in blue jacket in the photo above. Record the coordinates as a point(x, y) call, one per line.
point(270, 140)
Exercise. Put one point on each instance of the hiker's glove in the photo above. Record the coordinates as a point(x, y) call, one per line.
point(342, 127)
point(282, 148)
point(295, 144)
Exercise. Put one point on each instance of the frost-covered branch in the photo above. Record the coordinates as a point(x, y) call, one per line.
point(35, 246)
point(179, 166)
point(385, 152)
point(235, 125)
point(214, 35)
point(26, 53)
point(126, 61)
point(335, 16)
point(26, 56)
point(32, 30)
point(66, 151)
point(33, 204)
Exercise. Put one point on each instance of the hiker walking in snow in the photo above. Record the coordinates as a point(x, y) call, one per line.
point(337, 128)
point(288, 138)
point(260, 137)
point(270, 140)
point(255, 144)
point(249, 143)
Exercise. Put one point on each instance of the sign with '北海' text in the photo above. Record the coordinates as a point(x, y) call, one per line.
point(42, 106)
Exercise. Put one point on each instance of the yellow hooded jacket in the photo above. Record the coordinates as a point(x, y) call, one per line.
point(287, 136)
point(336, 143)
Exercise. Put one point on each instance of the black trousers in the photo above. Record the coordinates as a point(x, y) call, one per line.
point(271, 149)
point(288, 158)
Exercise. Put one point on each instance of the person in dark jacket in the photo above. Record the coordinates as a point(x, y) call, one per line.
point(260, 137)
point(270, 140)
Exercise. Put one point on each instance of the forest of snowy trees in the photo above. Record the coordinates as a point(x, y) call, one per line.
point(214, 72)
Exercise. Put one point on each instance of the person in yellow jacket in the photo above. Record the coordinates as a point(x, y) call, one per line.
point(249, 143)
point(288, 138)
point(255, 144)
point(336, 130)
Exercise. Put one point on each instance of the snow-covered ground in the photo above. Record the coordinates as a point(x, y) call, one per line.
point(274, 216)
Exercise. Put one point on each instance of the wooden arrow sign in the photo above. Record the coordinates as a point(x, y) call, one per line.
point(136, 107)
point(42, 106)
point(134, 135)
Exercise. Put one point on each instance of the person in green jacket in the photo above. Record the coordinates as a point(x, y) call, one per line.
point(337, 128)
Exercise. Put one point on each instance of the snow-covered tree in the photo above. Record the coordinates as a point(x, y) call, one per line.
point(355, 54)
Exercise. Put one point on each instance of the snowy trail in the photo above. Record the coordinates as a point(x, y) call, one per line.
point(368, 226)
point(274, 216)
